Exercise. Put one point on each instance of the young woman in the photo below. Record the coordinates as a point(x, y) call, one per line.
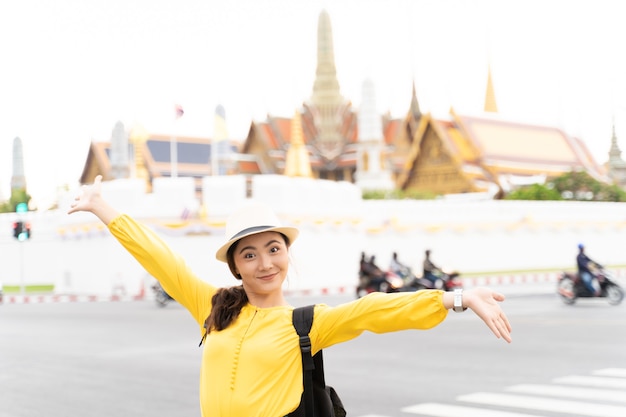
point(251, 363)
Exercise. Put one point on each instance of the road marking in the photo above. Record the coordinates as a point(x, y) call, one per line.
point(592, 381)
point(616, 372)
point(611, 380)
point(446, 410)
point(545, 404)
point(373, 415)
point(570, 392)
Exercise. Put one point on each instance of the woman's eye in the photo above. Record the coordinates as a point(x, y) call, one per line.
point(274, 249)
point(248, 256)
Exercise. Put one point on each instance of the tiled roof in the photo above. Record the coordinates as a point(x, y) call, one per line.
point(527, 148)
point(248, 167)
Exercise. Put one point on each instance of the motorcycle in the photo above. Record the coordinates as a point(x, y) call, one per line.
point(446, 280)
point(570, 286)
point(161, 297)
point(405, 281)
point(387, 281)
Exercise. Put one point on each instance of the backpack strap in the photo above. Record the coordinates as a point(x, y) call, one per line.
point(302, 321)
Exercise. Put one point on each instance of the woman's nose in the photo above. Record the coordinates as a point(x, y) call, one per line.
point(266, 262)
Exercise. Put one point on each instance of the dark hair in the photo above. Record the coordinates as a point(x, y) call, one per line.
point(227, 303)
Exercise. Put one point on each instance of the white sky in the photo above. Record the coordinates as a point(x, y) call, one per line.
point(70, 69)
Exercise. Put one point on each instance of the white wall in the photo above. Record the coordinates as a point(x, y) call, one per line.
point(78, 255)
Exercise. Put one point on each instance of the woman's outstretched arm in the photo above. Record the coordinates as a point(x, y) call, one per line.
point(90, 200)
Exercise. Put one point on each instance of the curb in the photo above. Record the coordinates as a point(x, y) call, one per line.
point(509, 279)
point(517, 280)
point(66, 298)
point(526, 282)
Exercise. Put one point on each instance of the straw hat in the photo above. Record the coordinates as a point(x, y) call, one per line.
point(251, 219)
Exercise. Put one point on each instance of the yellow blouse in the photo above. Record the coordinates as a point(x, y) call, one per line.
point(253, 368)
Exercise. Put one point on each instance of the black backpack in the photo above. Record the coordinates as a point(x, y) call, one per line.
point(318, 399)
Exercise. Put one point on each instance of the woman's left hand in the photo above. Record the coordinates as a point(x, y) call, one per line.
point(485, 303)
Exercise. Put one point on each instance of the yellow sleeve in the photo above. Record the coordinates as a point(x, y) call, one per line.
point(377, 313)
point(162, 263)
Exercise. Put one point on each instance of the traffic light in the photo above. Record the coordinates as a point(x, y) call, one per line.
point(21, 230)
point(17, 229)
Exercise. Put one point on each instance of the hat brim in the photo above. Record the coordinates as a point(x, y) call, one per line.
point(290, 232)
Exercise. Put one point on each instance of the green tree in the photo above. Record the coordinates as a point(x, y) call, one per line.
point(397, 194)
point(578, 185)
point(17, 197)
point(534, 192)
point(612, 193)
point(574, 185)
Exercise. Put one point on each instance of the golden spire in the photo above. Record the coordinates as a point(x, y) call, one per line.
point(415, 107)
point(327, 100)
point(297, 162)
point(490, 96)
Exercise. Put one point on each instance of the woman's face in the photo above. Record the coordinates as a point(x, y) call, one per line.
point(262, 261)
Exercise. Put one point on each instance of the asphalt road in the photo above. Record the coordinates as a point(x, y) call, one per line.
point(135, 359)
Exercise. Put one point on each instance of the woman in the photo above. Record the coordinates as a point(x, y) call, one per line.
point(251, 363)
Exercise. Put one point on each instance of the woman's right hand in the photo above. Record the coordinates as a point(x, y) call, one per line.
point(90, 200)
point(86, 200)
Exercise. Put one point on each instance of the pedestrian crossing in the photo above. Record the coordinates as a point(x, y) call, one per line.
point(601, 394)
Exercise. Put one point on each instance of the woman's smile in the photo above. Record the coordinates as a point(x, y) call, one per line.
point(268, 277)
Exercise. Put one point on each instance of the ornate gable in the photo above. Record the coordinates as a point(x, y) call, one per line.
point(432, 166)
point(97, 163)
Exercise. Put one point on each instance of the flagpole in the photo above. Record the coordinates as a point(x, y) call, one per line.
point(220, 134)
point(174, 159)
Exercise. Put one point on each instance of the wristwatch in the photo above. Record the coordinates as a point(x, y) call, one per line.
point(458, 301)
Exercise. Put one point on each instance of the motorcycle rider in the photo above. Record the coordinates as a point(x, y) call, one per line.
point(431, 271)
point(371, 272)
point(585, 264)
point(402, 270)
point(397, 267)
point(362, 264)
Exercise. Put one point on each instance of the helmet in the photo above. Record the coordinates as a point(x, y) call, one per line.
point(581, 246)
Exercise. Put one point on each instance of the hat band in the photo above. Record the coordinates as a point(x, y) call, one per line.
point(251, 230)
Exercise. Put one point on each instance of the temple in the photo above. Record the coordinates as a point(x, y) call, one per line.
point(328, 138)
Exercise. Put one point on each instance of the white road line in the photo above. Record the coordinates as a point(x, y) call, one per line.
point(592, 381)
point(577, 408)
point(608, 378)
point(373, 415)
point(445, 410)
point(616, 372)
point(570, 392)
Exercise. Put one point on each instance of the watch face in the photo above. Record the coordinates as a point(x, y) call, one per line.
point(458, 300)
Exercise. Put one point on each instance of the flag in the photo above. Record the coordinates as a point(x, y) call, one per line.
point(179, 111)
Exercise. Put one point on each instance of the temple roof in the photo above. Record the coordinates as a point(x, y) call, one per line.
point(488, 149)
point(517, 147)
point(153, 154)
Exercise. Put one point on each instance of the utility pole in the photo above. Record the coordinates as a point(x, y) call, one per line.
point(21, 231)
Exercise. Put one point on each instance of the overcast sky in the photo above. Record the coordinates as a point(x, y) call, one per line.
point(72, 68)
